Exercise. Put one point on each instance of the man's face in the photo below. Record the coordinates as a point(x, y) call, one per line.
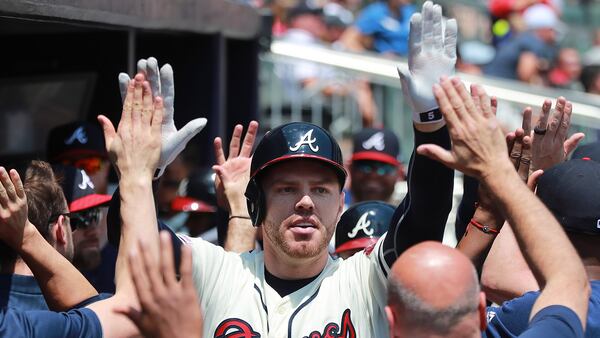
point(303, 204)
point(373, 180)
point(86, 239)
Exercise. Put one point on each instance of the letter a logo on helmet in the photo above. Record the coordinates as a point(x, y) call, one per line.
point(363, 224)
point(306, 139)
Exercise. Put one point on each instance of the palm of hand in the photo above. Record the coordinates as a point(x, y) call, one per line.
point(235, 176)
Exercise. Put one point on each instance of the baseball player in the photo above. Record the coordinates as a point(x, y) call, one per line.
point(361, 226)
point(294, 288)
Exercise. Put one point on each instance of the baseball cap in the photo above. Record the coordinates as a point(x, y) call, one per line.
point(571, 190)
point(75, 139)
point(199, 193)
point(376, 145)
point(587, 151)
point(541, 16)
point(78, 188)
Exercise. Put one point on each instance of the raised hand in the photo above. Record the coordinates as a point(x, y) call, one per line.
point(13, 208)
point(233, 173)
point(550, 145)
point(161, 83)
point(432, 54)
point(169, 309)
point(478, 146)
point(135, 147)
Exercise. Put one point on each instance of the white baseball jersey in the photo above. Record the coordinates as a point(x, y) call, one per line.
point(346, 300)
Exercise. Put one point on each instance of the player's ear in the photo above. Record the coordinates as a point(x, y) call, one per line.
point(482, 312)
point(341, 205)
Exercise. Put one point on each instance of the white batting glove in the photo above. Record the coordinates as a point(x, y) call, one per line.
point(161, 82)
point(432, 54)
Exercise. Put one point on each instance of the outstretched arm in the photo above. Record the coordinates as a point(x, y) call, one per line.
point(61, 283)
point(232, 179)
point(423, 213)
point(134, 149)
point(479, 150)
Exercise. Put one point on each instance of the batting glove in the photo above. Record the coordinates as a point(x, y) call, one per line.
point(432, 54)
point(161, 82)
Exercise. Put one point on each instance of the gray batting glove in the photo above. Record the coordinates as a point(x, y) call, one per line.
point(432, 54)
point(161, 82)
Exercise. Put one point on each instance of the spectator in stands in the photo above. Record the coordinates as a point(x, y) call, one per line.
point(96, 263)
point(566, 71)
point(337, 19)
point(381, 27)
point(590, 78)
point(375, 166)
point(527, 56)
point(48, 211)
point(506, 17)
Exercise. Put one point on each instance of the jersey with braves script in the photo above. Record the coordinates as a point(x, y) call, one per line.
point(347, 299)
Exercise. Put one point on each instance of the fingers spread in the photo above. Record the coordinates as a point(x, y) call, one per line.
point(153, 76)
point(415, 35)
point(465, 99)
point(526, 124)
point(234, 145)
point(544, 115)
point(249, 139)
point(446, 107)
point(219, 154)
point(157, 115)
point(438, 39)
point(565, 122)
point(3, 194)
point(8, 185)
point(525, 160)
point(125, 121)
point(147, 104)
point(427, 36)
point(16, 179)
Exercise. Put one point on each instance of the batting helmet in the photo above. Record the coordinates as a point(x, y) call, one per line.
point(290, 141)
point(362, 224)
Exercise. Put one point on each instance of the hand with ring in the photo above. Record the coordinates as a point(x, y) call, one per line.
point(550, 144)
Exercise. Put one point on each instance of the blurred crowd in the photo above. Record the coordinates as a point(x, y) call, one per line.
point(525, 40)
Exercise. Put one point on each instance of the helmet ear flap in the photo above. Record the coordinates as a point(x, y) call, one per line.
point(255, 200)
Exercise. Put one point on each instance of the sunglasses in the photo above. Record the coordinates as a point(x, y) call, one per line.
point(91, 165)
point(380, 168)
point(82, 219)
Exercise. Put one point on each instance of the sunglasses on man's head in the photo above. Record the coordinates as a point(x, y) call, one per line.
point(81, 219)
point(376, 167)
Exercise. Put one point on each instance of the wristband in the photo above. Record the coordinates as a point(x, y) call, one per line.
point(431, 116)
point(484, 228)
point(242, 217)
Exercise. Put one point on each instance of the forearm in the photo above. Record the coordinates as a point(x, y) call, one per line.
point(138, 222)
point(476, 243)
point(241, 234)
point(61, 283)
point(423, 214)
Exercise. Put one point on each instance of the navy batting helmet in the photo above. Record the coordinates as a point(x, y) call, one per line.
point(290, 141)
point(362, 224)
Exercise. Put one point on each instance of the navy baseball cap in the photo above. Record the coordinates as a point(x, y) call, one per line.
point(74, 140)
point(571, 190)
point(78, 188)
point(376, 145)
point(587, 151)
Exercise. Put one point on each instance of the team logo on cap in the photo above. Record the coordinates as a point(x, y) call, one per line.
point(306, 139)
point(362, 224)
point(85, 181)
point(79, 135)
point(375, 141)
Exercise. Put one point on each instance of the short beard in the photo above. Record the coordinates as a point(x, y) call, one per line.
point(305, 251)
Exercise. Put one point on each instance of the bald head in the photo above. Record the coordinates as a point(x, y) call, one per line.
point(434, 289)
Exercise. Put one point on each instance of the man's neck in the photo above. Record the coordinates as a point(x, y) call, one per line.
point(285, 267)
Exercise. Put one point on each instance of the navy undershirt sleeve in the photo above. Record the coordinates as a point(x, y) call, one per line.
point(554, 321)
point(80, 323)
point(423, 213)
